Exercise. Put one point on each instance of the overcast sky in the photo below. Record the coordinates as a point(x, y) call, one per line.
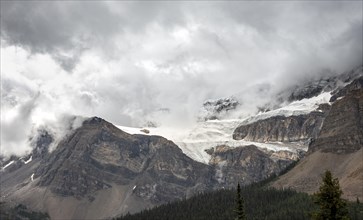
point(123, 61)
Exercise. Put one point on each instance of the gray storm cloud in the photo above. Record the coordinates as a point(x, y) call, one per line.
point(125, 61)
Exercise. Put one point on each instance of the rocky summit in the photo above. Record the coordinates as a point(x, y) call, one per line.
point(99, 154)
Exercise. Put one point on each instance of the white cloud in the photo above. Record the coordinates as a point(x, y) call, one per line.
point(123, 61)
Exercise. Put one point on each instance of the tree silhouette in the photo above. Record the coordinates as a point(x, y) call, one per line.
point(240, 210)
point(328, 198)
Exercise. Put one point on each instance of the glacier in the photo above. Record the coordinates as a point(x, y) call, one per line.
point(211, 133)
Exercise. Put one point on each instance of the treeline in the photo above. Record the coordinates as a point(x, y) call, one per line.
point(20, 212)
point(260, 203)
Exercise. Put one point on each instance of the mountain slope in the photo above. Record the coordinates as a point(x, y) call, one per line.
point(339, 148)
point(100, 171)
point(100, 153)
point(306, 175)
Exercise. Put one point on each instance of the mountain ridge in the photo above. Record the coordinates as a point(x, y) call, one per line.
point(98, 162)
point(100, 171)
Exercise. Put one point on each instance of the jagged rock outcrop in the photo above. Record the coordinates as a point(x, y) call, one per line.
point(342, 131)
point(215, 109)
point(245, 164)
point(282, 128)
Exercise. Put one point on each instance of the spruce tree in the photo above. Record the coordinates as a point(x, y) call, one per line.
point(328, 198)
point(240, 210)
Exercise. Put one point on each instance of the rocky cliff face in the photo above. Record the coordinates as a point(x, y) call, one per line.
point(281, 128)
point(342, 131)
point(246, 165)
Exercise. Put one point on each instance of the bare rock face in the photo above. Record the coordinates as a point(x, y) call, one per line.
point(281, 128)
point(246, 165)
point(98, 155)
point(355, 85)
point(214, 109)
point(342, 131)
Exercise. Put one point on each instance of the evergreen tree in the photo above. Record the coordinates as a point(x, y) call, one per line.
point(328, 198)
point(240, 210)
point(356, 209)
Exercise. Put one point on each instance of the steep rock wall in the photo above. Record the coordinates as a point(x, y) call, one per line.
point(342, 131)
point(281, 128)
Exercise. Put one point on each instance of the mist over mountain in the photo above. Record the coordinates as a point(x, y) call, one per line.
point(137, 58)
